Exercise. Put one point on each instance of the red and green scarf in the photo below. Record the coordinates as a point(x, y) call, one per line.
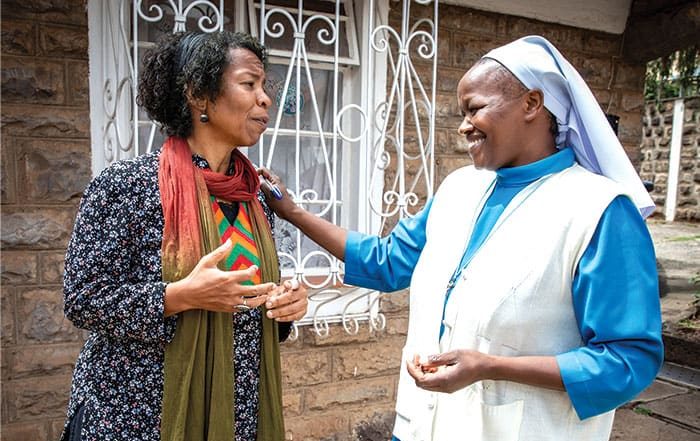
point(198, 390)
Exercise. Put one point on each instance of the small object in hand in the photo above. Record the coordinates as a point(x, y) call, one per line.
point(428, 370)
point(295, 284)
point(425, 369)
point(272, 187)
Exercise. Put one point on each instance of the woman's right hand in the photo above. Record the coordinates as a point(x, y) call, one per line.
point(209, 288)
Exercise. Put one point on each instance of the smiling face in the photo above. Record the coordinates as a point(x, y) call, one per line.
point(239, 115)
point(494, 109)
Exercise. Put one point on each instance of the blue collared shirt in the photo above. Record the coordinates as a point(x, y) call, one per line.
point(616, 277)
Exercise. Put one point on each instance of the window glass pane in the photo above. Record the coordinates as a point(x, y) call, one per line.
point(301, 100)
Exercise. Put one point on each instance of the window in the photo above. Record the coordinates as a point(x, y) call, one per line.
point(334, 126)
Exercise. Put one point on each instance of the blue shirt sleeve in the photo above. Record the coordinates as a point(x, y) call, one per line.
point(386, 264)
point(616, 301)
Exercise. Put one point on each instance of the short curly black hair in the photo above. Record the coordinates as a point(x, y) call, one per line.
point(187, 60)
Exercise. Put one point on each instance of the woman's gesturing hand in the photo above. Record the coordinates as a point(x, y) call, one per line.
point(288, 302)
point(209, 288)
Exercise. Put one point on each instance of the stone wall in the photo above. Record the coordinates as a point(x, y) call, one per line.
point(45, 166)
point(340, 387)
point(656, 147)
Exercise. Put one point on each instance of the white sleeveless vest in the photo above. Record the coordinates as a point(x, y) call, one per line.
point(513, 299)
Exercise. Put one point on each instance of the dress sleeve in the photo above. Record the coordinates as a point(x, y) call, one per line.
point(386, 264)
point(112, 281)
point(616, 301)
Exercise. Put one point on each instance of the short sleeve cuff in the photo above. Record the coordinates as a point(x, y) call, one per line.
point(575, 379)
point(352, 259)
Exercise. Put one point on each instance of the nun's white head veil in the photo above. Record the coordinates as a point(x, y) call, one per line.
point(582, 124)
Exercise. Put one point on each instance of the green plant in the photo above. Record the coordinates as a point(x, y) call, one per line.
point(641, 410)
point(675, 75)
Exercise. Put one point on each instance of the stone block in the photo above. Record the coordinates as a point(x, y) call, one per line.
point(291, 402)
point(17, 37)
point(29, 399)
point(605, 97)
point(25, 431)
point(565, 38)
point(631, 425)
point(338, 336)
point(321, 427)
point(630, 128)
point(5, 360)
point(7, 309)
point(52, 267)
point(661, 166)
point(350, 393)
point(54, 170)
point(447, 164)
point(601, 43)
point(471, 20)
point(630, 76)
point(19, 267)
point(442, 140)
point(42, 317)
point(306, 368)
point(444, 48)
point(659, 390)
point(448, 78)
point(40, 361)
point(56, 427)
point(43, 228)
point(77, 86)
point(396, 325)
point(468, 49)
point(29, 80)
point(8, 172)
point(45, 121)
point(63, 41)
point(372, 423)
point(412, 144)
point(632, 101)
point(380, 358)
point(50, 11)
point(447, 110)
point(395, 302)
point(594, 70)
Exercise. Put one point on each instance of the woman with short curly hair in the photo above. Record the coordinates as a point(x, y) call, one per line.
point(172, 265)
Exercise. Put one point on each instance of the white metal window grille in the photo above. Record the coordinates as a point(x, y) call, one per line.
point(343, 108)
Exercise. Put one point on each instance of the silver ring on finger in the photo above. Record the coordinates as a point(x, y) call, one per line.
point(243, 306)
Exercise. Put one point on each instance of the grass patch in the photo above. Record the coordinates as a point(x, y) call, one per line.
point(641, 410)
point(689, 324)
point(684, 238)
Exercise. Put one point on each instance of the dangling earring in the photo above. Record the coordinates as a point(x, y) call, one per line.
point(203, 118)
